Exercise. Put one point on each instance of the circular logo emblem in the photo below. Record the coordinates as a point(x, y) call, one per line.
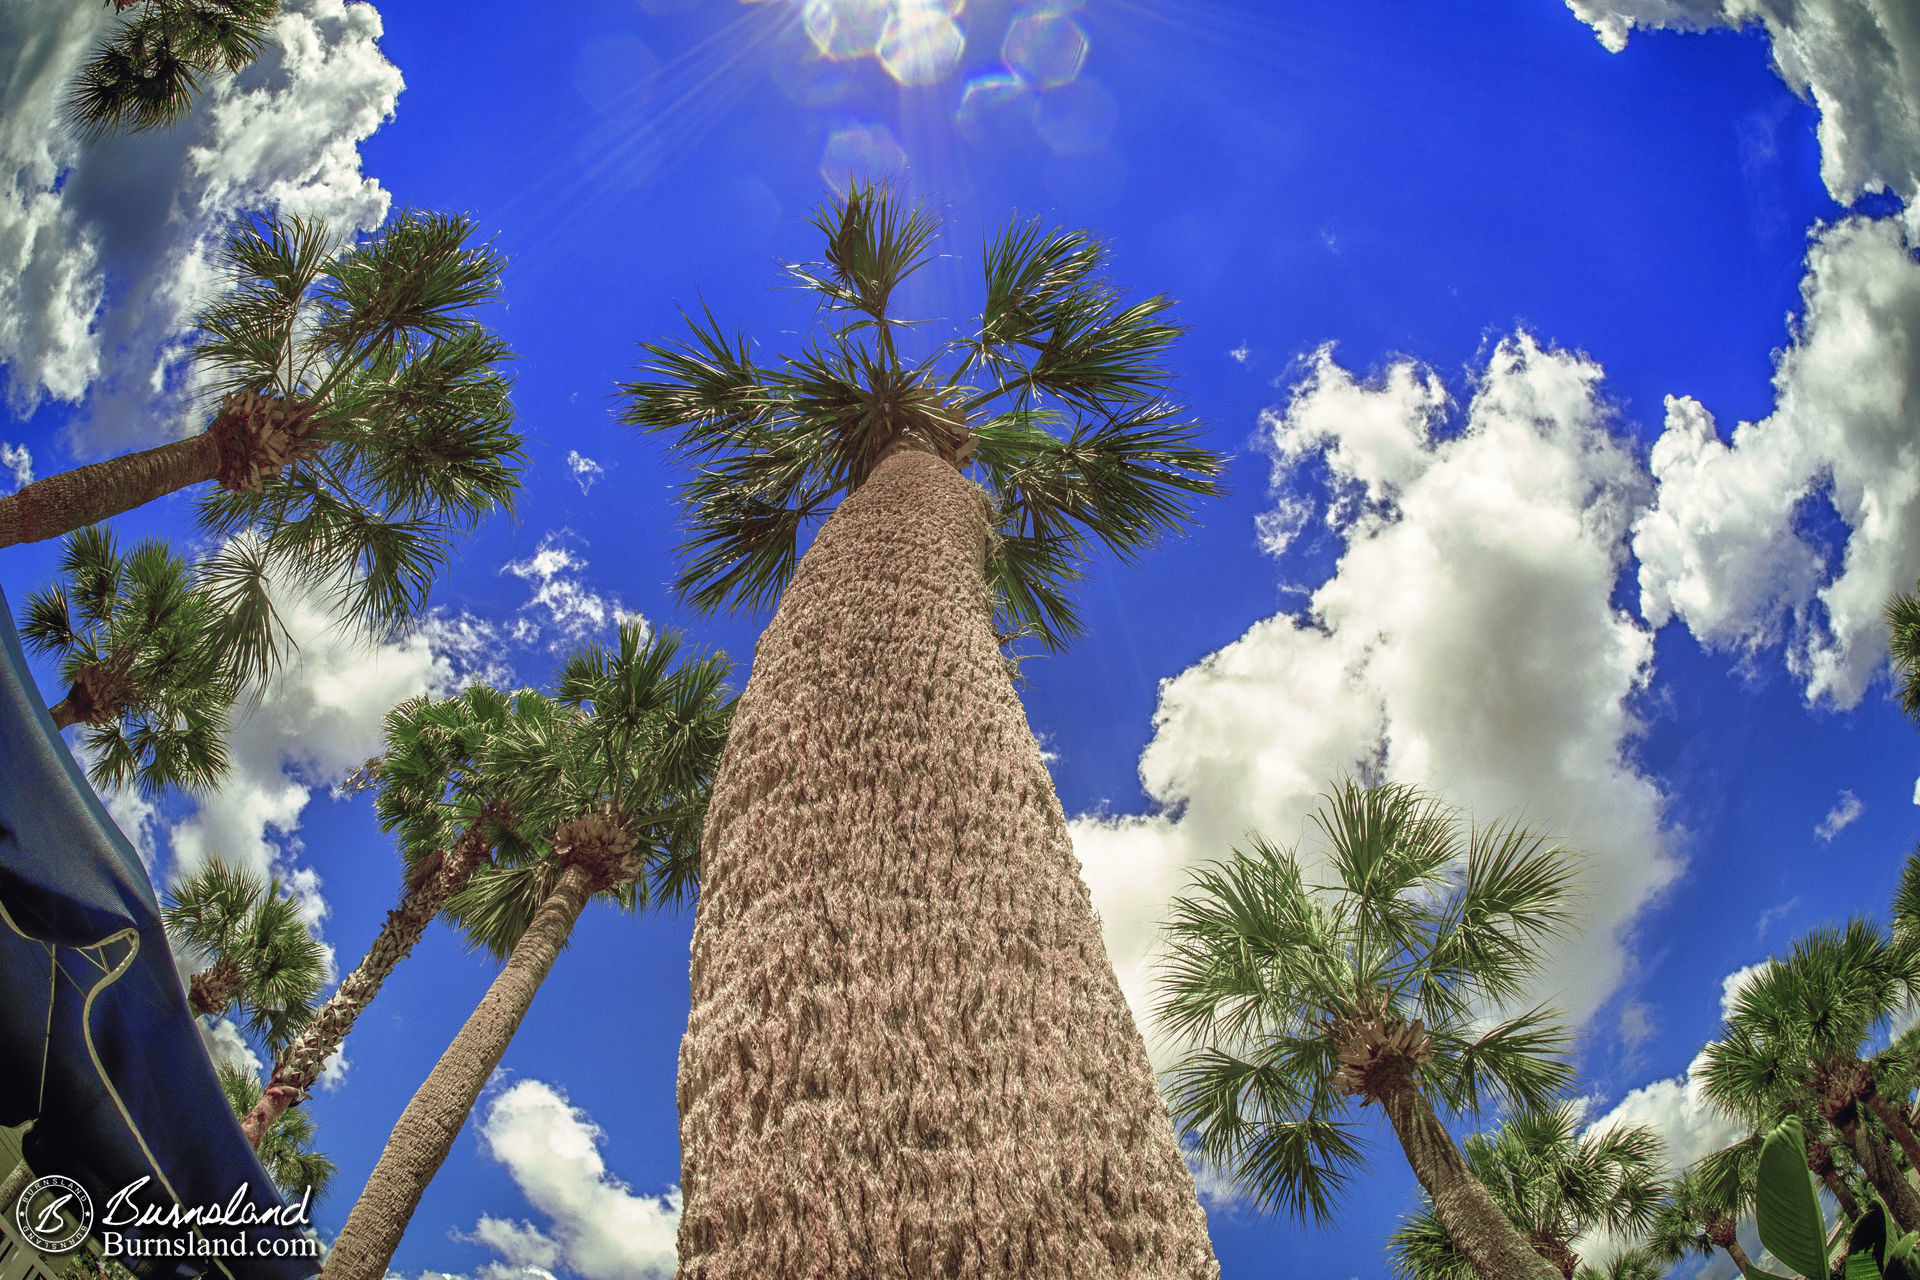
point(43, 1209)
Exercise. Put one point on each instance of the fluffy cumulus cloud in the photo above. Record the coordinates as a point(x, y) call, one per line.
point(1858, 60)
point(319, 719)
point(1465, 641)
point(1726, 550)
point(1677, 1109)
point(597, 1228)
point(106, 250)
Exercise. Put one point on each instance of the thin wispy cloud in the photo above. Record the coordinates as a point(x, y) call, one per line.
point(1844, 813)
point(585, 470)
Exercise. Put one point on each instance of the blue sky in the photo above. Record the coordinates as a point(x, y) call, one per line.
point(1478, 294)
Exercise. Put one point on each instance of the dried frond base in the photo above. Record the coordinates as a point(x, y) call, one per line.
point(1378, 1053)
point(602, 845)
point(908, 1054)
point(257, 435)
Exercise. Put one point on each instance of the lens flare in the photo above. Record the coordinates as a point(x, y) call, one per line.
point(920, 45)
point(862, 153)
point(846, 29)
point(1047, 47)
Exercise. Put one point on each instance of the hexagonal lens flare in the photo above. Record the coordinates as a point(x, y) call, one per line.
point(1047, 47)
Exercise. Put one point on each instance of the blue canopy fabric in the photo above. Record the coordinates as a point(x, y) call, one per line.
point(97, 1045)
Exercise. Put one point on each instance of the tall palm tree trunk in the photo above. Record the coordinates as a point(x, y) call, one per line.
point(58, 505)
point(299, 1064)
point(433, 1119)
point(1493, 1246)
point(908, 1054)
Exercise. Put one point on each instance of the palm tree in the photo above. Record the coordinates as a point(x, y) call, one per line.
point(890, 892)
point(1704, 1207)
point(140, 649)
point(1793, 1040)
point(363, 423)
point(616, 771)
point(1903, 625)
point(1553, 1182)
point(286, 1149)
point(426, 776)
point(148, 72)
point(261, 954)
point(1302, 1000)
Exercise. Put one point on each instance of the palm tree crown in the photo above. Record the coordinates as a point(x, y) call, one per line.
point(631, 737)
point(140, 649)
point(1302, 997)
point(1056, 396)
point(1794, 1039)
point(363, 424)
point(400, 423)
point(262, 955)
point(146, 74)
point(1554, 1182)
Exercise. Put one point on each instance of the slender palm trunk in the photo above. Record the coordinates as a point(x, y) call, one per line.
point(908, 1054)
point(426, 1129)
point(1820, 1163)
point(1739, 1256)
point(1496, 1250)
point(1896, 1123)
point(1876, 1162)
point(64, 713)
point(58, 505)
point(300, 1063)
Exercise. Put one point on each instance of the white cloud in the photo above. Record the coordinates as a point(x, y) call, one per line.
point(562, 603)
point(1689, 1126)
point(598, 1228)
point(1636, 1024)
point(1858, 60)
point(18, 462)
point(140, 216)
point(472, 644)
point(1720, 551)
point(225, 1045)
point(1773, 914)
point(1466, 641)
point(1241, 352)
point(319, 718)
point(1845, 810)
point(585, 470)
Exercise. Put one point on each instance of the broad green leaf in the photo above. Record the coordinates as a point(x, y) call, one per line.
point(1786, 1205)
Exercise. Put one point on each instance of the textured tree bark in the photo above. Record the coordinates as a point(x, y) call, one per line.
point(908, 1055)
point(300, 1063)
point(63, 713)
point(58, 505)
point(1820, 1164)
point(1896, 1124)
point(1478, 1228)
point(433, 1119)
point(1881, 1173)
point(1739, 1256)
point(211, 990)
